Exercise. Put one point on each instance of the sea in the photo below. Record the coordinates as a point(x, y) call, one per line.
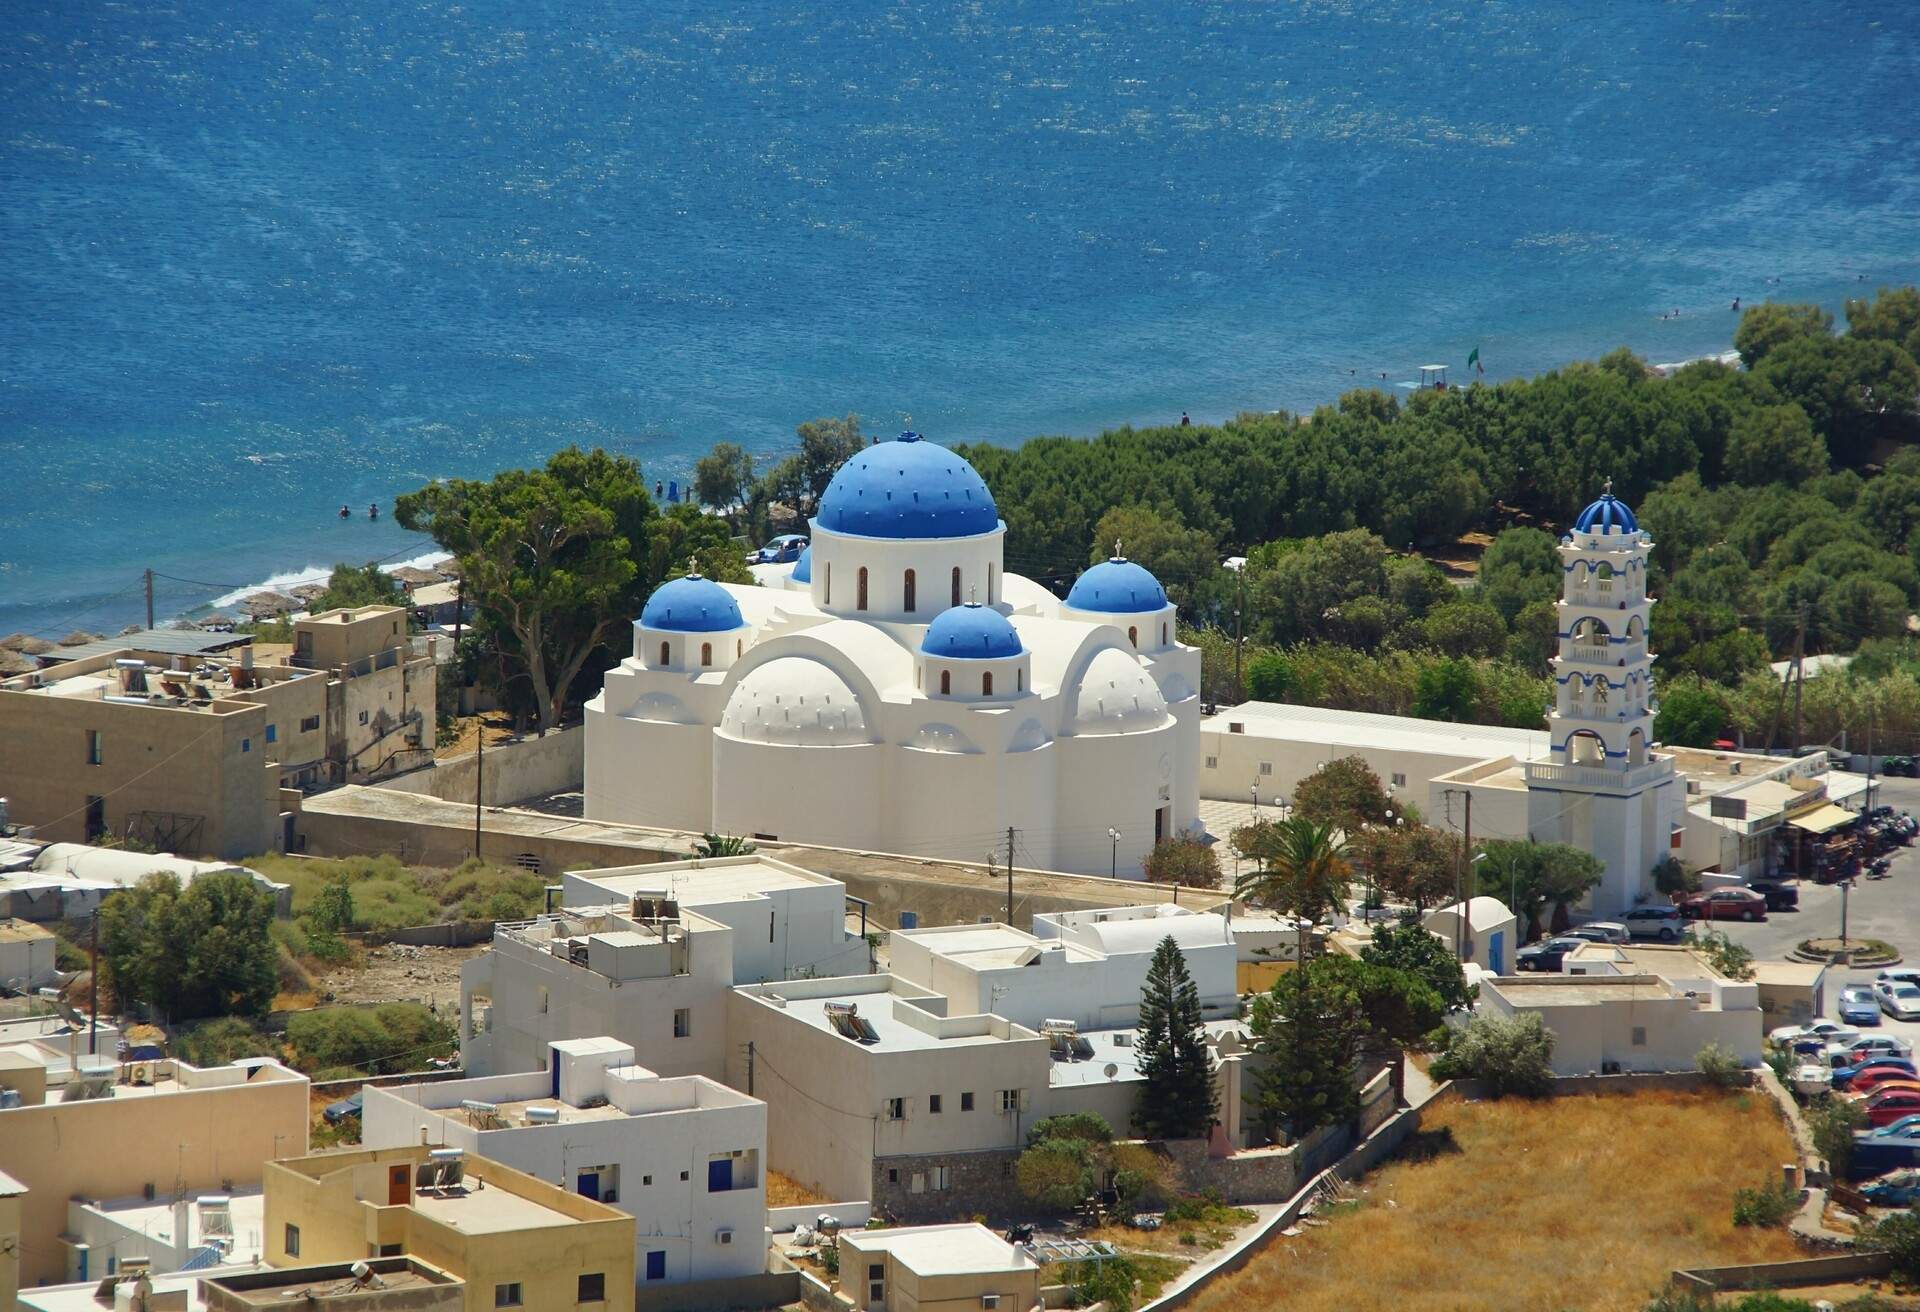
point(259, 262)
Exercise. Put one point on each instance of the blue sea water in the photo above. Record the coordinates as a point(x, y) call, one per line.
point(257, 261)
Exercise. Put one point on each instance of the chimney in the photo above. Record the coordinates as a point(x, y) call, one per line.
point(182, 1224)
point(246, 657)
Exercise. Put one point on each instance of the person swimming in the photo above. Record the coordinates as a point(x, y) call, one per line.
point(345, 513)
point(373, 510)
point(1736, 303)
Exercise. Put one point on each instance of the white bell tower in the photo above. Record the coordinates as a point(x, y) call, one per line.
point(1601, 787)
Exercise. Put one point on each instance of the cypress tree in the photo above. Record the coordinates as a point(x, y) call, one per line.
point(1176, 1098)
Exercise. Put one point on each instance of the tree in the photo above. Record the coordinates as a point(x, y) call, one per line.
point(1690, 715)
point(332, 907)
point(1510, 1054)
point(1774, 444)
point(1397, 1008)
point(1466, 628)
point(1308, 1038)
point(1831, 1123)
point(1734, 960)
point(825, 445)
point(549, 558)
point(1414, 862)
point(1521, 566)
point(1184, 860)
point(1410, 947)
point(723, 478)
point(1269, 677)
point(1530, 877)
point(1055, 1173)
point(359, 585)
point(1671, 876)
point(1766, 327)
point(1898, 1236)
point(382, 1040)
point(222, 1042)
point(1176, 1099)
point(1344, 793)
point(1181, 558)
point(1300, 869)
point(1447, 690)
point(198, 951)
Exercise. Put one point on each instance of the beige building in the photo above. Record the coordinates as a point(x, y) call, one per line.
point(516, 1241)
point(120, 1129)
point(936, 1268)
point(13, 1196)
point(26, 955)
point(187, 751)
point(381, 1284)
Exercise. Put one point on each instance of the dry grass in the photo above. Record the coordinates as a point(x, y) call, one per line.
point(785, 1191)
point(1574, 1203)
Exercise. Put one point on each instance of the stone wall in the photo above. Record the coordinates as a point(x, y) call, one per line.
point(512, 772)
point(980, 1182)
point(769, 1289)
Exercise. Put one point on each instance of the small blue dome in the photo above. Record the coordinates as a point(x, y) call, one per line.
point(1607, 515)
point(803, 568)
point(907, 488)
point(1117, 587)
point(691, 605)
point(971, 633)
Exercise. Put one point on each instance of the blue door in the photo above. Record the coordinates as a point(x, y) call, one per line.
point(1497, 951)
point(657, 1264)
point(720, 1175)
point(589, 1185)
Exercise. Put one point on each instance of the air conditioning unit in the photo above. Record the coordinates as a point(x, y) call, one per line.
point(989, 1300)
point(724, 1235)
point(140, 1073)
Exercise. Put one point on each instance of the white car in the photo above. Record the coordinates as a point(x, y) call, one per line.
point(1810, 1079)
point(1898, 975)
point(1832, 1031)
point(1603, 931)
point(1875, 1045)
point(1898, 998)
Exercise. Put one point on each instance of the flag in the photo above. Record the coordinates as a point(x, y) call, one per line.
point(1473, 360)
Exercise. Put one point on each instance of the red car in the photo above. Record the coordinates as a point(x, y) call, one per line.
point(1875, 1077)
point(1725, 904)
point(1889, 1105)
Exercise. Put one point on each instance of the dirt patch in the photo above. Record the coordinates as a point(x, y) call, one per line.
point(401, 973)
point(499, 729)
point(785, 1191)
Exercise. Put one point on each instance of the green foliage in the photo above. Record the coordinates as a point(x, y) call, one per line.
point(1270, 678)
point(1300, 867)
point(1184, 860)
point(1087, 1127)
point(1772, 1204)
point(1308, 1038)
point(723, 478)
point(1511, 1055)
point(223, 1041)
point(1672, 876)
point(1185, 560)
point(1411, 948)
point(359, 585)
point(332, 909)
point(1898, 1236)
point(1531, 877)
point(1447, 690)
point(1176, 1098)
point(1412, 861)
point(1734, 960)
point(382, 1040)
point(1831, 1122)
point(1056, 1173)
point(1690, 715)
point(1764, 328)
point(1394, 1007)
point(1344, 793)
point(726, 845)
point(199, 951)
point(1721, 1067)
point(830, 1257)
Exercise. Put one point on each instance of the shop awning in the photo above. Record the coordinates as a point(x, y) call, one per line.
point(1824, 819)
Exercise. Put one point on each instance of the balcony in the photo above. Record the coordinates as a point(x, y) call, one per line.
point(1597, 598)
point(1614, 654)
point(1626, 779)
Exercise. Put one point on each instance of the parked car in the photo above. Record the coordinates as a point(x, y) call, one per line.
point(1546, 956)
point(1601, 931)
point(786, 547)
point(1885, 1149)
point(1876, 1045)
point(1725, 904)
point(1661, 922)
point(1878, 1079)
point(1900, 1189)
point(1898, 999)
point(1828, 1031)
point(1899, 1127)
point(1874, 1071)
point(1781, 894)
point(1812, 1078)
point(1889, 1105)
point(1898, 975)
point(336, 1112)
point(1858, 1006)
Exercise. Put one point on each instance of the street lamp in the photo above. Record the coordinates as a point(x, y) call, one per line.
point(1255, 789)
point(1113, 867)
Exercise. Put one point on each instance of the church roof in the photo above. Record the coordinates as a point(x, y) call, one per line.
point(1117, 587)
point(907, 488)
point(803, 568)
point(971, 632)
point(1607, 515)
point(691, 605)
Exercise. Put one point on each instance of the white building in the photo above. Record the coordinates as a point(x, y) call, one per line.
point(685, 1156)
point(937, 1268)
point(1086, 967)
point(187, 1233)
point(902, 692)
point(647, 955)
point(1488, 937)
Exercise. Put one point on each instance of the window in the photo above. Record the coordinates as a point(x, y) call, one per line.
point(956, 585)
point(1639, 1036)
point(993, 583)
point(1399, 780)
point(273, 733)
point(896, 1109)
point(893, 1175)
point(907, 589)
point(391, 1250)
point(989, 1300)
point(293, 1240)
point(966, 1102)
point(933, 1104)
point(682, 1022)
point(1010, 1100)
point(919, 1185)
point(986, 685)
point(657, 1264)
point(246, 745)
point(942, 1178)
point(363, 717)
point(96, 817)
point(827, 579)
point(683, 1177)
point(646, 1180)
point(739, 646)
point(1133, 636)
point(1163, 635)
point(1213, 763)
point(860, 589)
point(593, 1288)
point(666, 654)
point(706, 653)
point(93, 747)
point(1019, 680)
point(309, 723)
point(946, 683)
point(1266, 767)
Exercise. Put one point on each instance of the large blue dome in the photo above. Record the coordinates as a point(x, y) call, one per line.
point(803, 568)
point(1607, 515)
point(907, 488)
point(1117, 587)
point(971, 633)
point(691, 605)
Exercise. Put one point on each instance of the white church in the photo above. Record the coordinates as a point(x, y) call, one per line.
point(897, 690)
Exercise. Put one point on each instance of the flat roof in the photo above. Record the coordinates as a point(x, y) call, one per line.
point(21, 931)
point(875, 1008)
point(332, 1285)
point(964, 1248)
point(489, 1210)
point(1335, 728)
point(1668, 960)
point(173, 642)
point(246, 1210)
point(1575, 990)
point(705, 884)
point(1123, 1057)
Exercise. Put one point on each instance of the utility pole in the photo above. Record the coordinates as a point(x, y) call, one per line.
point(1793, 670)
point(1869, 751)
point(459, 614)
point(749, 1068)
point(93, 989)
point(1009, 876)
point(479, 775)
point(1460, 921)
point(1239, 610)
point(149, 576)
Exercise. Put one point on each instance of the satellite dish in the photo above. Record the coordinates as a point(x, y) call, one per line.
point(1110, 1070)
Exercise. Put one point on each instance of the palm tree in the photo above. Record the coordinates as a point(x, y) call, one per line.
point(1300, 868)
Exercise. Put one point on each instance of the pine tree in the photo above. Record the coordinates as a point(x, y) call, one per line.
point(1176, 1099)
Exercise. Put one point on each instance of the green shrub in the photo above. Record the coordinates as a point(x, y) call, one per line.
point(1089, 1127)
point(1831, 1122)
point(1722, 1069)
point(1899, 1237)
point(392, 1037)
point(219, 1042)
point(1770, 1205)
point(1056, 1173)
point(1510, 1055)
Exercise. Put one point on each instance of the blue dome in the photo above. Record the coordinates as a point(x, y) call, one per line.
point(691, 605)
point(803, 568)
point(971, 633)
point(907, 488)
point(1607, 515)
point(1118, 587)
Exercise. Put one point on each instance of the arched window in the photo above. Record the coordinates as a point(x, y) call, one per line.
point(860, 600)
point(1019, 680)
point(907, 589)
point(1163, 635)
point(917, 673)
point(956, 585)
point(993, 583)
point(829, 583)
point(1133, 636)
point(665, 655)
point(946, 683)
point(706, 653)
point(986, 685)
point(739, 646)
